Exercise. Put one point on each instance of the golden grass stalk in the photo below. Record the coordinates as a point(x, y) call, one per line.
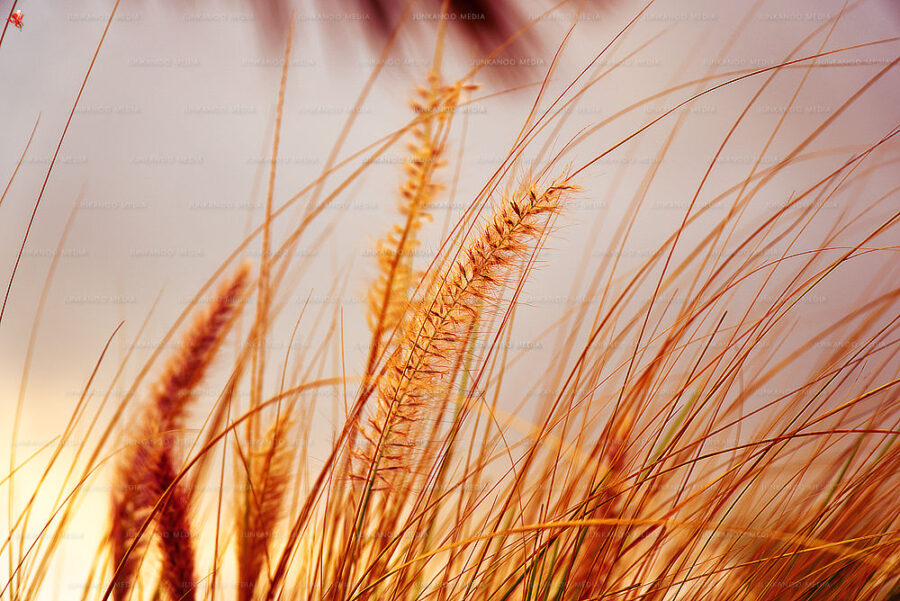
point(594, 553)
point(174, 529)
point(432, 340)
point(269, 477)
point(389, 294)
point(147, 469)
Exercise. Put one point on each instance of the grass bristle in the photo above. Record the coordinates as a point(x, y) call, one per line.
point(388, 296)
point(431, 342)
point(268, 480)
point(150, 462)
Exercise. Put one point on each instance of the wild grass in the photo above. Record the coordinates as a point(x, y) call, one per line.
point(682, 438)
point(146, 473)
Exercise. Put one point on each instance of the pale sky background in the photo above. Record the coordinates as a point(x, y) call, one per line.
point(175, 126)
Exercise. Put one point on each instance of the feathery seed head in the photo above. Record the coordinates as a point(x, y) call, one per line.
point(434, 337)
point(148, 468)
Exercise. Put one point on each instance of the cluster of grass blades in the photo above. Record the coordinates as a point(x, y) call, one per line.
point(681, 438)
